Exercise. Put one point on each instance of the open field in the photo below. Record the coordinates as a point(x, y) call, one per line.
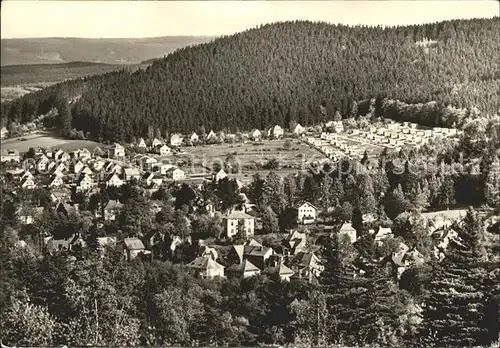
point(46, 140)
point(250, 157)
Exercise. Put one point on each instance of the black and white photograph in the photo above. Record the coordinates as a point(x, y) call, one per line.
point(286, 174)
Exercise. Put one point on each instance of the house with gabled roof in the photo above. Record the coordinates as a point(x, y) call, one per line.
point(242, 270)
point(77, 167)
point(206, 268)
point(56, 181)
point(221, 174)
point(349, 231)
point(132, 247)
point(84, 182)
point(176, 174)
point(281, 270)
point(130, 173)
point(141, 143)
point(156, 142)
point(111, 210)
point(306, 213)
point(42, 163)
point(194, 137)
point(163, 150)
point(256, 134)
point(112, 180)
point(211, 136)
point(298, 130)
point(275, 132)
point(306, 265)
point(256, 253)
point(176, 140)
point(294, 243)
point(117, 150)
point(28, 183)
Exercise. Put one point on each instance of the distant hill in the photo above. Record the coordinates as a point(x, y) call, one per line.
point(109, 51)
point(294, 71)
point(16, 75)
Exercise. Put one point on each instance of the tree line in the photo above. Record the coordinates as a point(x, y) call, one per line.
point(294, 71)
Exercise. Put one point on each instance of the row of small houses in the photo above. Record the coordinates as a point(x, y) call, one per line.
point(176, 140)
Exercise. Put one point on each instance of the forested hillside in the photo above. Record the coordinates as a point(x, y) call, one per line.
point(300, 71)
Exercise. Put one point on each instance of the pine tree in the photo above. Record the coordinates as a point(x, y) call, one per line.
point(492, 185)
point(454, 309)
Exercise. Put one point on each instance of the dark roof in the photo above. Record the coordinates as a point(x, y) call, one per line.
point(245, 266)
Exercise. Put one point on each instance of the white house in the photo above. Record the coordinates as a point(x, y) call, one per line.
point(306, 213)
point(56, 181)
point(194, 137)
point(113, 180)
point(163, 150)
point(78, 167)
point(176, 140)
point(349, 231)
point(4, 132)
point(131, 173)
point(299, 129)
point(211, 136)
point(176, 174)
point(117, 150)
point(156, 142)
point(256, 134)
point(42, 163)
point(84, 183)
point(276, 132)
point(28, 183)
point(232, 220)
point(221, 174)
point(141, 143)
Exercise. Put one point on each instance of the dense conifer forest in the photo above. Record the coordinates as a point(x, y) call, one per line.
point(293, 71)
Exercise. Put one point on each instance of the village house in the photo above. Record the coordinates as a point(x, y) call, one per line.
point(98, 165)
point(4, 133)
point(256, 135)
point(60, 245)
point(349, 231)
point(111, 210)
point(176, 174)
point(282, 271)
point(382, 234)
point(42, 164)
point(232, 222)
point(113, 180)
point(117, 151)
point(176, 140)
point(105, 242)
point(242, 270)
point(56, 181)
point(306, 265)
point(28, 183)
point(84, 183)
point(275, 132)
point(163, 150)
point(148, 162)
point(82, 154)
point(132, 247)
point(131, 173)
point(77, 167)
point(306, 213)
point(10, 155)
point(294, 243)
point(221, 174)
point(156, 142)
point(252, 251)
point(141, 143)
point(194, 138)
point(206, 268)
point(211, 136)
point(298, 130)
point(338, 127)
point(65, 209)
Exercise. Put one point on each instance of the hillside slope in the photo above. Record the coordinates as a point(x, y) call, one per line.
point(109, 51)
point(298, 71)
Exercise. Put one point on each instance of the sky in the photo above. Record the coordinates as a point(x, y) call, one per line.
point(134, 19)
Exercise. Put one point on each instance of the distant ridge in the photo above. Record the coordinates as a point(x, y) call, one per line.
point(109, 51)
